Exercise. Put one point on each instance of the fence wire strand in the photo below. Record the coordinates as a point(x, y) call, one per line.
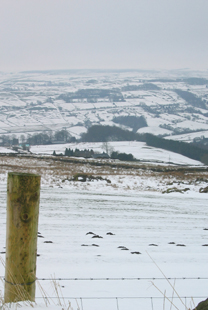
point(121, 279)
point(118, 279)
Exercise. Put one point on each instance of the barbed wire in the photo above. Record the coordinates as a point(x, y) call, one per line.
point(120, 279)
point(124, 297)
point(150, 298)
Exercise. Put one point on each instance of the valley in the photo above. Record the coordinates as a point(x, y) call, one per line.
point(172, 104)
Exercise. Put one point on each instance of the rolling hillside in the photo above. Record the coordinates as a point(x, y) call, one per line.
point(170, 104)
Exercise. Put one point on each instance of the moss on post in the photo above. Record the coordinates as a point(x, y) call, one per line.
point(23, 195)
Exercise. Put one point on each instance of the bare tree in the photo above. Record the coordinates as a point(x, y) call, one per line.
point(107, 148)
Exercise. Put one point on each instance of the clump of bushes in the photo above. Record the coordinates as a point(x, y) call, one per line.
point(90, 154)
point(122, 156)
point(84, 177)
point(176, 190)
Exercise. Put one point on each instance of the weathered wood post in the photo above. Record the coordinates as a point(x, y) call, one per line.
point(23, 195)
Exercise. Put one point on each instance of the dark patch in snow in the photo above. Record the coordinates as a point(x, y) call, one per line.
point(96, 236)
point(203, 190)
point(180, 244)
point(153, 244)
point(90, 245)
point(48, 242)
point(175, 189)
point(110, 234)
point(136, 252)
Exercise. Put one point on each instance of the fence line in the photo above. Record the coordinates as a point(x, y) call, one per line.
point(133, 297)
point(117, 298)
point(120, 279)
point(151, 299)
point(117, 279)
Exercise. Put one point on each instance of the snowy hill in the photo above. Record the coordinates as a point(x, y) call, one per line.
point(149, 209)
point(171, 103)
point(156, 205)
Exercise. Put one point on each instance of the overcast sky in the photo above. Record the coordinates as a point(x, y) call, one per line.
point(103, 34)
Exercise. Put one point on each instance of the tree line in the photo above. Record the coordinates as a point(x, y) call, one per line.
point(100, 133)
point(86, 153)
point(41, 138)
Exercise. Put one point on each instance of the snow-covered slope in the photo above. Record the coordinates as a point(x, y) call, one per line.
point(155, 205)
point(98, 272)
point(139, 150)
point(75, 100)
point(150, 209)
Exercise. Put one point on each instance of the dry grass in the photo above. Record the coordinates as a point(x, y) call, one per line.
point(54, 170)
point(18, 290)
point(174, 292)
point(23, 297)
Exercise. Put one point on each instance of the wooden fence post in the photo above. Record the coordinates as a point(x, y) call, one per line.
point(23, 195)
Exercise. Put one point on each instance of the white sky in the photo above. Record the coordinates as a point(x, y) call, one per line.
point(103, 34)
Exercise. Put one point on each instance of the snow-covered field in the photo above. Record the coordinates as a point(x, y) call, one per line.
point(37, 102)
point(171, 228)
point(139, 150)
point(142, 222)
point(137, 202)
